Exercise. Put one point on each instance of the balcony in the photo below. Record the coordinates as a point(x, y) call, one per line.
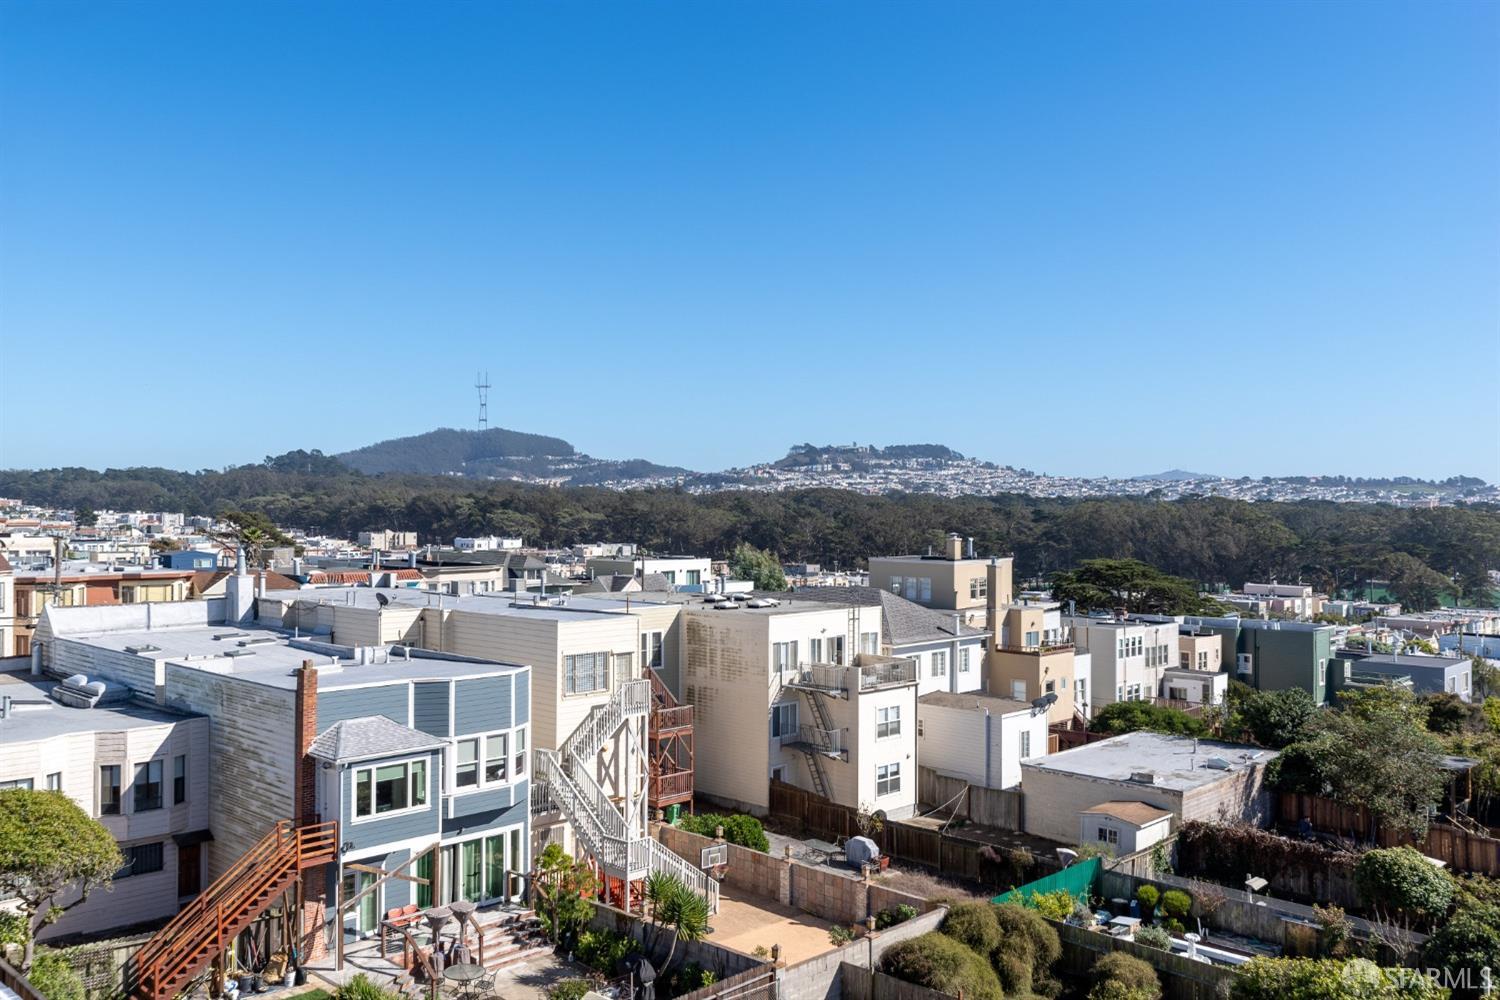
point(1040, 649)
point(840, 681)
point(828, 742)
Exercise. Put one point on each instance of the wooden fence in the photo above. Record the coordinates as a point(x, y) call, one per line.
point(1463, 850)
point(947, 853)
point(995, 807)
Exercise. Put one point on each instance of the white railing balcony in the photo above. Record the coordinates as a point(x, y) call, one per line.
point(825, 741)
point(890, 673)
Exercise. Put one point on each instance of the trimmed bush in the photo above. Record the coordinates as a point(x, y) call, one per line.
point(1024, 955)
point(1148, 896)
point(53, 977)
point(570, 989)
point(746, 831)
point(1176, 904)
point(1328, 979)
point(1154, 937)
point(1401, 879)
point(1127, 973)
point(940, 963)
point(974, 926)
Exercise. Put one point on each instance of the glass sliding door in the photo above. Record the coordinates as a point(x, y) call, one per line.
point(423, 869)
point(473, 870)
point(494, 867)
point(361, 918)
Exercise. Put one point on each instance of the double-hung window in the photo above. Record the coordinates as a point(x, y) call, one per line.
point(387, 788)
point(887, 722)
point(586, 672)
point(147, 786)
point(496, 758)
point(869, 642)
point(109, 790)
point(963, 659)
point(520, 753)
point(815, 650)
point(940, 663)
point(1025, 745)
point(887, 779)
point(466, 764)
point(651, 650)
point(979, 587)
point(784, 656)
point(1107, 836)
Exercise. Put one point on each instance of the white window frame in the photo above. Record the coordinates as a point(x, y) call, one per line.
point(888, 776)
point(517, 744)
point(939, 663)
point(964, 665)
point(887, 722)
point(652, 649)
point(372, 767)
point(1025, 743)
point(783, 656)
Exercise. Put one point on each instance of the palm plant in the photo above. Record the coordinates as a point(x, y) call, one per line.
point(682, 910)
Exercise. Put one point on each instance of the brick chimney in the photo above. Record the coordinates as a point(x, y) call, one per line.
point(306, 730)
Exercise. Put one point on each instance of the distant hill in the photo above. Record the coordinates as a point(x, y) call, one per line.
point(799, 455)
point(496, 453)
point(1175, 476)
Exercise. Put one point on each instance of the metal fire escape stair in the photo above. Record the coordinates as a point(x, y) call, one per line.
point(204, 928)
point(597, 819)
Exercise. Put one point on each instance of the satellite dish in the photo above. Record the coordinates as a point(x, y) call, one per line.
point(382, 600)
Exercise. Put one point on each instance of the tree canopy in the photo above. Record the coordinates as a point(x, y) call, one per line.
point(50, 848)
point(747, 562)
point(1105, 584)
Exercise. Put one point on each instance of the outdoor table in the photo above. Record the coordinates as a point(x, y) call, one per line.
point(464, 975)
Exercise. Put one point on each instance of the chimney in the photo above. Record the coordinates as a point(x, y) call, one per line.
point(305, 724)
point(954, 549)
point(411, 559)
point(375, 559)
point(992, 599)
point(969, 548)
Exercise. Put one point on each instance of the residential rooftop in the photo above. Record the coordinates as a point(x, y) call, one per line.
point(982, 702)
point(35, 715)
point(1179, 763)
point(269, 657)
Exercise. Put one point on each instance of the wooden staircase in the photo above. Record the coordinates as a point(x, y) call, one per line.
point(207, 926)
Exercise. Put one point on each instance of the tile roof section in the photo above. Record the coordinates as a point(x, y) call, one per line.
point(370, 736)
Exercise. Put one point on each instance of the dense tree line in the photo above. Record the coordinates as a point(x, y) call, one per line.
point(1212, 540)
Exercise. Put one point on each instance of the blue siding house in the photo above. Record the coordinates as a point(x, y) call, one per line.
point(409, 763)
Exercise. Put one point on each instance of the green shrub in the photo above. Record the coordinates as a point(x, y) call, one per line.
point(1028, 947)
point(974, 926)
point(361, 987)
point(603, 949)
point(14, 928)
point(570, 989)
point(1113, 989)
point(1153, 937)
point(1329, 979)
point(1148, 896)
point(1468, 941)
point(1176, 904)
point(1128, 972)
point(1401, 879)
point(53, 977)
point(893, 915)
point(839, 935)
point(746, 831)
point(1055, 905)
point(1173, 926)
point(940, 963)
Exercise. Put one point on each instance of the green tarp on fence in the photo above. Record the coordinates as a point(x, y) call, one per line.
point(1078, 880)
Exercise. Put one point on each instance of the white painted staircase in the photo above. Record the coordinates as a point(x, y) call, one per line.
point(611, 824)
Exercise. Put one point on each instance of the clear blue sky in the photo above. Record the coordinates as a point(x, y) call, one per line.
point(1093, 238)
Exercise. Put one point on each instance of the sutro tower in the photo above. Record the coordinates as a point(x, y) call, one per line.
point(482, 383)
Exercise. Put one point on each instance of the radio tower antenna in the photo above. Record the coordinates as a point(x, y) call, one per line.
point(482, 384)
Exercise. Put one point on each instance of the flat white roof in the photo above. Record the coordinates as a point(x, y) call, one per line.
point(1179, 763)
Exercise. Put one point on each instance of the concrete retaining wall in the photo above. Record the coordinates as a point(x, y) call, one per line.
point(819, 978)
point(1181, 978)
point(866, 984)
